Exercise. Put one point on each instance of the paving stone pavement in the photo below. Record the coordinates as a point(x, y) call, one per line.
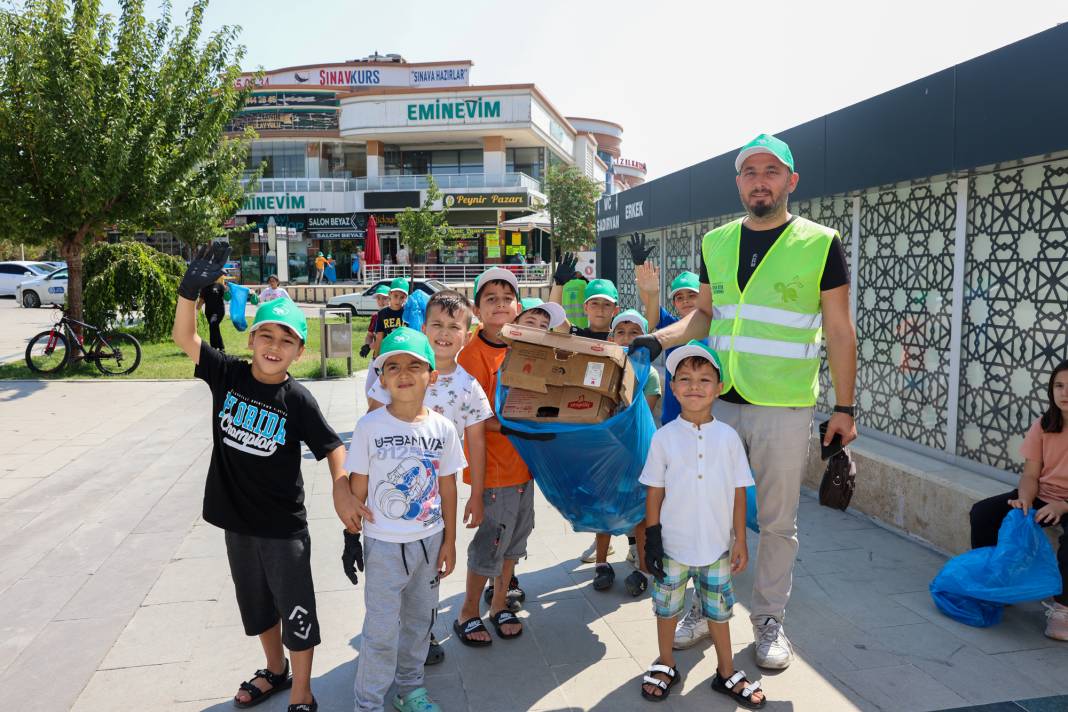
point(116, 596)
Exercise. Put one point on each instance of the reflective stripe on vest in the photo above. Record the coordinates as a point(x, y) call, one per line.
point(769, 334)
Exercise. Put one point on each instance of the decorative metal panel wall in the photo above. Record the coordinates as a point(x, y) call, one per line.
point(1015, 328)
point(904, 310)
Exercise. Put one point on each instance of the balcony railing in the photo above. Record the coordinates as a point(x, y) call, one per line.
point(415, 182)
point(453, 274)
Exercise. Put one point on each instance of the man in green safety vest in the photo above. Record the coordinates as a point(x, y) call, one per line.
point(773, 285)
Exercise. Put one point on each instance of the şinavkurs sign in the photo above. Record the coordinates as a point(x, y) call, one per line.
point(439, 110)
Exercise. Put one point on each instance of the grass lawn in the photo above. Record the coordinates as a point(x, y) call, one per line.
point(164, 360)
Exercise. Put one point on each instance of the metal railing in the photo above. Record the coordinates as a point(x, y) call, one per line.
point(450, 274)
point(414, 182)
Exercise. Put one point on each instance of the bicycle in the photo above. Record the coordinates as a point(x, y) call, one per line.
point(115, 353)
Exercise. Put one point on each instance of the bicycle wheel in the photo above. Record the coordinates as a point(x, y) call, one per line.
point(116, 353)
point(47, 352)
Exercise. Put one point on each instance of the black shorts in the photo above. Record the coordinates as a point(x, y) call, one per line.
point(273, 580)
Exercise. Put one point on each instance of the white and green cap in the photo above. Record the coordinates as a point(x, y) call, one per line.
point(694, 348)
point(400, 284)
point(381, 289)
point(687, 281)
point(765, 143)
point(633, 317)
point(406, 341)
point(496, 273)
point(557, 315)
point(282, 311)
point(602, 288)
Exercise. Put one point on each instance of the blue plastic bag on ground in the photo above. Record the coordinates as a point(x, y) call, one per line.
point(238, 300)
point(974, 587)
point(589, 472)
point(415, 309)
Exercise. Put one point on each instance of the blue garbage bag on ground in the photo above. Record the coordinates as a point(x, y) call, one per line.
point(238, 300)
point(415, 309)
point(974, 587)
point(589, 472)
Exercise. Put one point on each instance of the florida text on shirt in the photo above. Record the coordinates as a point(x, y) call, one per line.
point(251, 426)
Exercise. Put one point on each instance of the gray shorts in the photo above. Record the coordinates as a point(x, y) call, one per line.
point(508, 519)
point(273, 580)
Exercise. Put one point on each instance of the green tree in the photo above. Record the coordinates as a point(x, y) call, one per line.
point(425, 229)
point(101, 120)
point(131, 280)
point(572, 208)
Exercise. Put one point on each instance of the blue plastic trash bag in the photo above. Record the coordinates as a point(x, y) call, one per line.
point(751, 509)
point(415, 309)
point(330, 272)
point(974, 587)
point(238, 300)
point(590, 472)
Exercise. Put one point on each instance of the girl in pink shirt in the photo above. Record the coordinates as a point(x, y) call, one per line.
point(1043, 487)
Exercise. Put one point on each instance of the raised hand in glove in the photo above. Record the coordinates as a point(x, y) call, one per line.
point(654, 552)
point(505, 430)
point(648, 342)
point(565, 271)
point(206, 267)
point(364, 350)
point(639, 250)
point(352, 556)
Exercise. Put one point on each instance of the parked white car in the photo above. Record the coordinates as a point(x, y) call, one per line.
point(14, 273)
point(50, 289)
point(364, 304)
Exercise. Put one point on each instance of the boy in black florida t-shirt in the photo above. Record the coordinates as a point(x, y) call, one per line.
point(254, 489)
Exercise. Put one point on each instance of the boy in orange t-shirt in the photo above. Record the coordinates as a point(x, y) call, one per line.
point(508, 497)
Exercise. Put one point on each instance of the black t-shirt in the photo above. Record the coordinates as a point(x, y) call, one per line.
point(212, 294)
point(754, 244)
point(388, 320)
point(590, 333)
point(254, 483)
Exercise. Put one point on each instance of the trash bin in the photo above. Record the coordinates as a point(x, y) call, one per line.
point(335, 336)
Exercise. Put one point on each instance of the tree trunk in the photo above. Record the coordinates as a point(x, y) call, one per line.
point(72, 247)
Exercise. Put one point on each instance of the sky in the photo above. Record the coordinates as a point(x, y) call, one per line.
point(687, 80)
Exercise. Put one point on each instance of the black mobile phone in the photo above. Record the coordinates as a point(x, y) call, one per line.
point(826, 451)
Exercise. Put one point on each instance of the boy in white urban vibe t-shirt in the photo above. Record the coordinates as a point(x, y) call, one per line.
point(456, 395)
point(403, 461)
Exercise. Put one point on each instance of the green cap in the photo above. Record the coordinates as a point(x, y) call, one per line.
point(765, 143)
point(400, 284)
point(686, 280)
point(320, 254)
point(381, 289)
point(282, 311)
point(557, 315)
point(602, 288)
point(404, 340)
point(694, 348)
point(633, 317)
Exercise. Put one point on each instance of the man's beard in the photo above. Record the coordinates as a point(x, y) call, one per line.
point(763, 209)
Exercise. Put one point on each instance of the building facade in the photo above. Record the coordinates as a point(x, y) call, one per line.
point(340, 143)
point(949, 194)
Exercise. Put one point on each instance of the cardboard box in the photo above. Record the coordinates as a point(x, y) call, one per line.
point(558, 405)
point(539, 360)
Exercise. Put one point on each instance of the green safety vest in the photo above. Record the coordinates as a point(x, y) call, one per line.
point(768, 336)
point(574, 298)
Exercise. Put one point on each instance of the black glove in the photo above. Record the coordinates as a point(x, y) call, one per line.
point(565, 270)
point(639, 251)
point(205, 268)
point(648, 342)
point(654, 552)
point(364, 350)
point(352, 556)
point(543, 437)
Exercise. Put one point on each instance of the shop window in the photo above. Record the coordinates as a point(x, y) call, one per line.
point(444, 163)
point(525, 160)
point(415, 163)
point(471, 160)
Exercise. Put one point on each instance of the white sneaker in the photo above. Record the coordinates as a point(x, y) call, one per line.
point(691, 629)
point(590, 555)
point(632, 555)
point(773, 649)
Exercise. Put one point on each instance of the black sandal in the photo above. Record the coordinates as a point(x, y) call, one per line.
point(515, 596)
point(278, 682)
point(471, 625)
point(745, 696)
point(604, 577)
point(664, 686)
point(636, 583)
point(435, 654)
point(502, 618)
point(304, 707)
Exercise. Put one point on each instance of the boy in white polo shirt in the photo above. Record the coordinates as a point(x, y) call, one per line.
point(696, 473)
